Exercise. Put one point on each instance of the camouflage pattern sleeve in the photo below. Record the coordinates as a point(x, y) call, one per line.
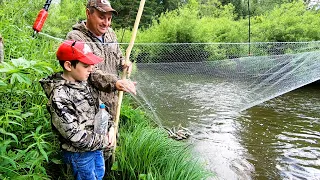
point(119, 55)
point(103, 81)
point(75, 35)
point(66, 121)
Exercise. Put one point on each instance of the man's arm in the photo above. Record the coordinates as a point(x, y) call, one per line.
point(109, 82)
point(103, 81)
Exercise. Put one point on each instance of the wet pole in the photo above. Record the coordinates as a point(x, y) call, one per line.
point(124, 75)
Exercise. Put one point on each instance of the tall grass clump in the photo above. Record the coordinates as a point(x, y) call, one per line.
point(24, 124)
point(28, 148)
point(26, 145)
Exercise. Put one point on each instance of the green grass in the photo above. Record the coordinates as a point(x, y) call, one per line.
point(146, 152)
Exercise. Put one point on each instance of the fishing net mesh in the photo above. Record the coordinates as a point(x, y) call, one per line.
point(247, 74)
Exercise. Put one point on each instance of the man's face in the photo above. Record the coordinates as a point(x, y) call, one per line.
point(98, 22)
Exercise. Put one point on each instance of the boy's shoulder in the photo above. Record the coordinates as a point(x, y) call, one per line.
point(57, 87)
point(72, 95)
point(67, 89)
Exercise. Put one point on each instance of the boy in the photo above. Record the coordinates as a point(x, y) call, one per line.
point(73, 104)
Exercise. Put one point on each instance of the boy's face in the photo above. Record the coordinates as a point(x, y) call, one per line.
point(81, 72)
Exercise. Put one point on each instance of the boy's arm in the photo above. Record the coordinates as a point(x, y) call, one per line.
point(65, 120)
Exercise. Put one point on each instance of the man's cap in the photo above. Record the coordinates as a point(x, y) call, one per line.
point(71, 50)
point(101, 5)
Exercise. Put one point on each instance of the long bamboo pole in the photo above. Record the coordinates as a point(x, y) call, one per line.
point(124, 75)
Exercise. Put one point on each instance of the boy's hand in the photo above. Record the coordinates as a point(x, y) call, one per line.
point(111, 138)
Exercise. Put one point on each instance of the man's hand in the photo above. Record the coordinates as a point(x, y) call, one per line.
point(127, 66)
point(127, 86)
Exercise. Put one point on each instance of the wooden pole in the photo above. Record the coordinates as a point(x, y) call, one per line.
point(124, 75)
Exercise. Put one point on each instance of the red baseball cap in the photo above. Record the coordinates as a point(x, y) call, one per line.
point(71, 50)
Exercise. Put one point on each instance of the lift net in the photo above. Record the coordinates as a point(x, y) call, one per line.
point(178, 79)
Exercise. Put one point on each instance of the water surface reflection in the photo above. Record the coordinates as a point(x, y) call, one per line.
point(282, 135)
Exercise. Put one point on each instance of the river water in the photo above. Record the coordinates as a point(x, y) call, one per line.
point(277, 139)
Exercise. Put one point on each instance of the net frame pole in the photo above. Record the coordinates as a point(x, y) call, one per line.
point(249, 29)
point(125, 74)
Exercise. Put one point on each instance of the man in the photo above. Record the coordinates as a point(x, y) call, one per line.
point(98, 34)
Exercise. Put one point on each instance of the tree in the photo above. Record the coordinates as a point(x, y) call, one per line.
point(170, 5)
point(214, 8)
point(256, 7)
point(128, 9)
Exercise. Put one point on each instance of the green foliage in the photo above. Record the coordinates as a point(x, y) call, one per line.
point(209, 21)
point(25, 128)
point(214, 8)
point(171, 27)
point(195, 23)
point(62, 17)
point(170, 5)
point(243, 8)
point(290, 22)
point(127, 11)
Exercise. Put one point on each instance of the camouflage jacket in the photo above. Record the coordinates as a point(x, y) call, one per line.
point(73, 106)
point(109, 51)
